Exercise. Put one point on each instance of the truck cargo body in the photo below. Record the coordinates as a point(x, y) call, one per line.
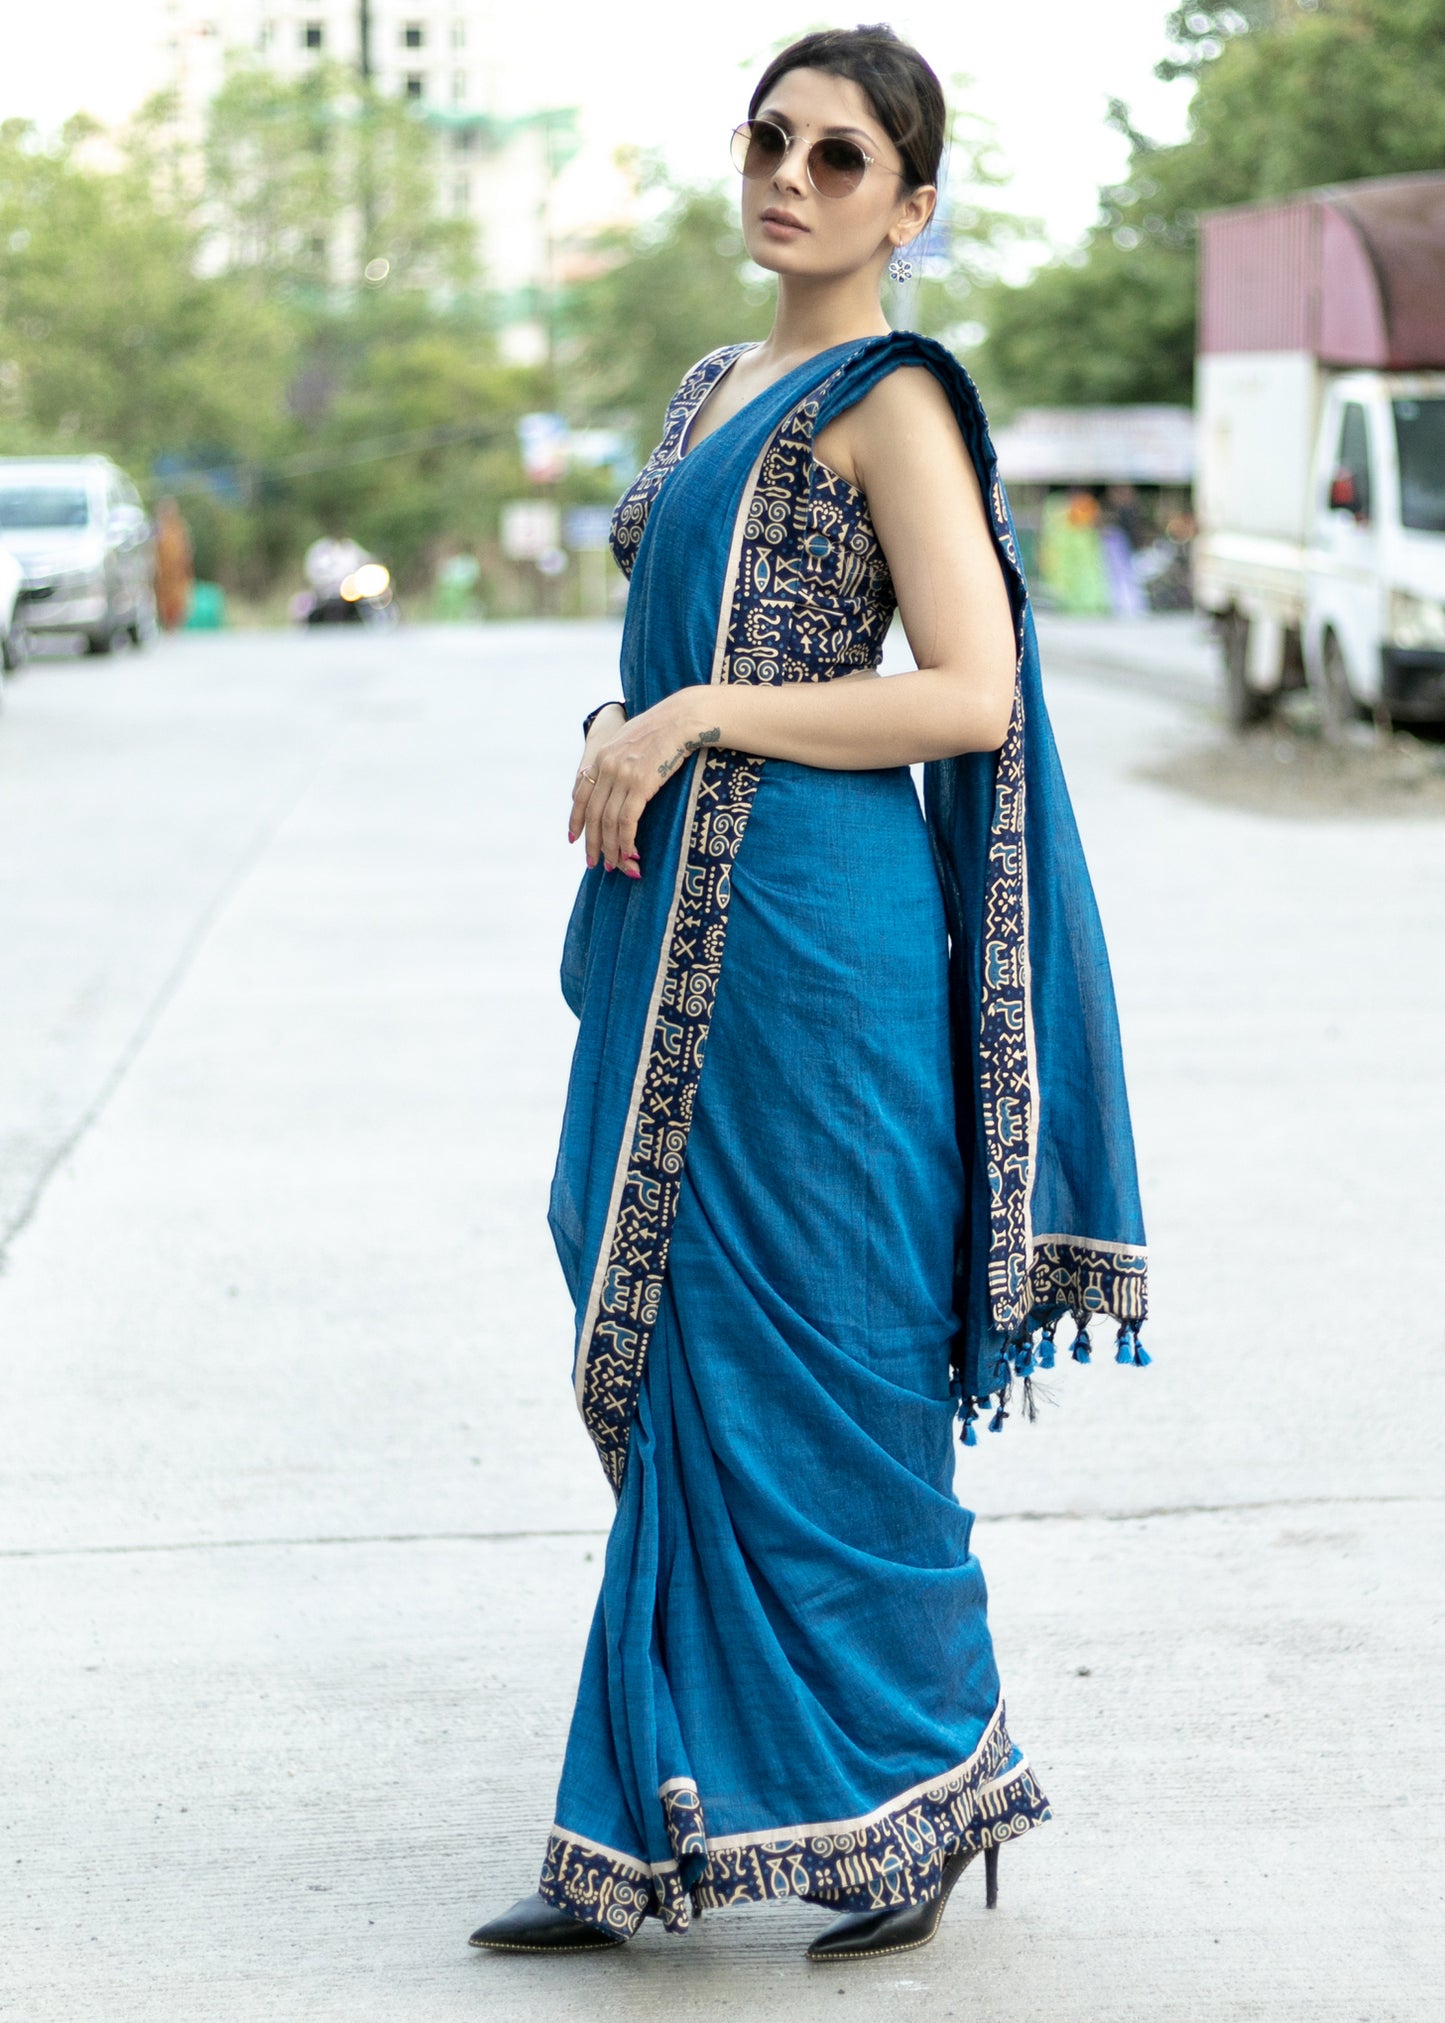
point(1320, 470)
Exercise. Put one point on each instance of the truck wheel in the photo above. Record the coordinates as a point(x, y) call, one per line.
point(1338, 709)
point(100, 642)
point(1244, 705)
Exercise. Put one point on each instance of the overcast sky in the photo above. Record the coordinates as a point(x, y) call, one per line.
point(665, 74)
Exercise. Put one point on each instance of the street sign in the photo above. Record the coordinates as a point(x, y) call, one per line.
point(543, 442)
point(530, 527)
point(586, 529)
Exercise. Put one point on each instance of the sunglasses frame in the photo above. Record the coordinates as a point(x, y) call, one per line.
point(742, 133)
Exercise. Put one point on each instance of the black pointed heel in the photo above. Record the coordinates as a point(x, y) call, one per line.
point(864, 1935)
point(535, 1926)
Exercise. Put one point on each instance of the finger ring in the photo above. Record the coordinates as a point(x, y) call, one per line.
point(585, 775)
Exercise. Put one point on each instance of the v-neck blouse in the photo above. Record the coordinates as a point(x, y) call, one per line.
point(843, 597)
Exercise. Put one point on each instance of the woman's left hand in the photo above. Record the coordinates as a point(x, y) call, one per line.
point(629, 770)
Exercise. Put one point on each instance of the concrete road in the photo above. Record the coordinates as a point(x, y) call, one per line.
point(299, 1534)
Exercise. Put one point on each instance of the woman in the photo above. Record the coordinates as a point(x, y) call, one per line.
point(908, 1152)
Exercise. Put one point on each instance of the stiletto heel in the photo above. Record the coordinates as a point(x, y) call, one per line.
point(863, 1935)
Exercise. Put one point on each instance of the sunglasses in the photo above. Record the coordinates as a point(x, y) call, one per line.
point(836, 166)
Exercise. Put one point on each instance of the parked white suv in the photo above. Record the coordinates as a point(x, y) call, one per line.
point(83, 538)
point(13, 640)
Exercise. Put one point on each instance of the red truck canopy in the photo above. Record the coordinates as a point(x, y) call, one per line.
point(1354, 274)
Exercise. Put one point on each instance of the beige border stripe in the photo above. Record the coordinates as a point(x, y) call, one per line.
point(815, 1828)
point(1095, 1243)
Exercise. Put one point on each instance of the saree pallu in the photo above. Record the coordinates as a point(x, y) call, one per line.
point(792, 1268)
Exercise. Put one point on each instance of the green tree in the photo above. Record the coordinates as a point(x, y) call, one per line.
point(662, 296)
point(108, 333)
point(396, 369)
point(287, 332)
point(958, 255)
point(1287, 96)
point(314, 181)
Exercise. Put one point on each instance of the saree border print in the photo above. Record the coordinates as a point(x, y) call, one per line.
point(1032, 1280)
point(881, 1860)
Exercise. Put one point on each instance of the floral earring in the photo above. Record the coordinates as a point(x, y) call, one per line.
point(899, 269)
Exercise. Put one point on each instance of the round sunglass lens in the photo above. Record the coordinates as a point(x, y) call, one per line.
point(836, 167)
point(758, 147)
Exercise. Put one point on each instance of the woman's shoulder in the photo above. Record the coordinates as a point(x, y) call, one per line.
point(910, 394)
point(900, 389)
point(883, 427)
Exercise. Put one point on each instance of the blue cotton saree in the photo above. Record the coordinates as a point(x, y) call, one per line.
point(845, 1138)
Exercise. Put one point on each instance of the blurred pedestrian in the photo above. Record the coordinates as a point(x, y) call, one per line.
point(174, 566)
point(790, 1686)
point(1071, 553)
point(1119, 533)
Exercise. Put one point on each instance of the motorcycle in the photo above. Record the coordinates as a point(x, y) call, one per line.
point(346, 587)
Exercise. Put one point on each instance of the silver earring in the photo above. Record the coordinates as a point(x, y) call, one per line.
point(899, 269)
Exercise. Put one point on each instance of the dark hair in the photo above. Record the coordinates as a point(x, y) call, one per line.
point(894, 78)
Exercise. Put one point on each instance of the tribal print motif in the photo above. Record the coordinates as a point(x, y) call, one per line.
point(1007, 1097)
point(682, 1808)
point(629, 519)
point(1087, 1278)
point(814, 598)
point(886, 1859)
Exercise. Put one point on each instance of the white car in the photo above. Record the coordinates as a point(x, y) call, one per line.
point(13, 640)
point(78, 529)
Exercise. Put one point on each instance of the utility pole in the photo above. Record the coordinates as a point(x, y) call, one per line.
point(368, 186)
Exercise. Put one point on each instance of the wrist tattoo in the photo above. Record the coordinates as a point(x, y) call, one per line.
point(692, 745)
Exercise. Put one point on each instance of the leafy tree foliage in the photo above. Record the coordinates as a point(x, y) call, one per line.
point(313, 180)
point(1287, 97)
point(224, 324)
point(660, 297)
point(107, 332)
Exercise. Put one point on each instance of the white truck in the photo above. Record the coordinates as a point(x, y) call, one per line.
point(1320, 449)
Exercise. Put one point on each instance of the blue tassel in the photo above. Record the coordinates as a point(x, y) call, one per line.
point(995, 1424)
point(1142, 1357)
point(1082, 1348)
point(1023, 1358)
point(1125, 1351)
point(967, 1409)
point(1046, 1350)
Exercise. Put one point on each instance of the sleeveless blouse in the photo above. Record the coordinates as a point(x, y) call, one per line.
point(829, 570)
